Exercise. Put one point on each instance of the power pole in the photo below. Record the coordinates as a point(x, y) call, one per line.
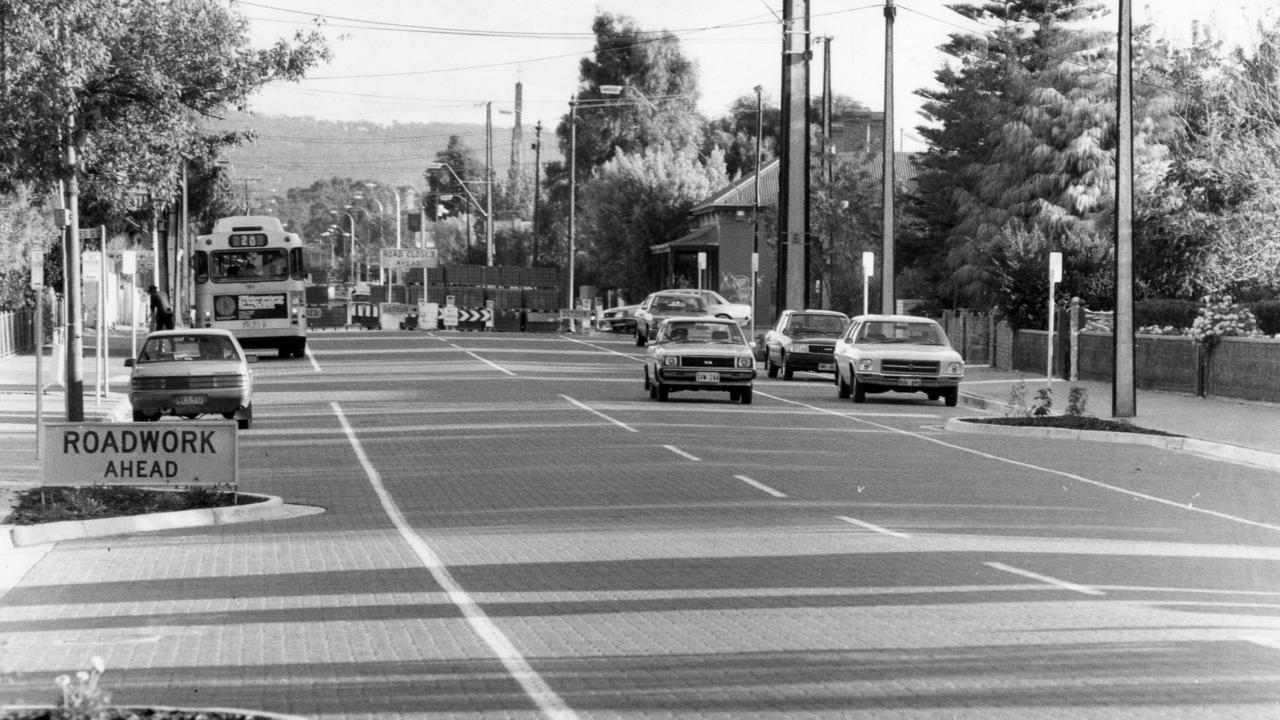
point(72, 289)
point(793, 176)
point(887, 270)
point(1123, 395)
point(488, 181)
point(537, 188)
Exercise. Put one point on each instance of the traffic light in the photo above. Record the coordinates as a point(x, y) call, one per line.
point(415, 222)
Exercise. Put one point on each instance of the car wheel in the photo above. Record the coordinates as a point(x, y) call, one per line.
point(734, 395)
point(662, 392)
point(931, 395)
point(772, 369)
point(641, 338)
point(859, 392)
point(951, 396)
point(787, 372)
point(647, 384)
point(745, 396)
point(843, 391)
point(139, 416)
point(244, 422)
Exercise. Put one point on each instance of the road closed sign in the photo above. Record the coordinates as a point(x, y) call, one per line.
point(172, 454)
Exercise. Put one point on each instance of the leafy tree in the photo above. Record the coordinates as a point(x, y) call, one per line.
point(132, 81)
point(735, 133)
point(635, 201)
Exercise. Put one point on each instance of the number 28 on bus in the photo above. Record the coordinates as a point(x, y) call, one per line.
point(250, 279)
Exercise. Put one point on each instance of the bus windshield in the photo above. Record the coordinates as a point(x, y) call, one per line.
point(249, 265)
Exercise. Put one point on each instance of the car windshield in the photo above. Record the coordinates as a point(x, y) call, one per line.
point(816, 325)
point(181, 348)
point(702, 332)
point(915, 333)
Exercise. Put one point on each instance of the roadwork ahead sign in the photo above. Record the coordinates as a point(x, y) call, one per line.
point(172, 454)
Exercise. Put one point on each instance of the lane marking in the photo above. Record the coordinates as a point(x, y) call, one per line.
point(760, 486)
point(682, 453)
point(546, 699)
point(490, 363)
point(312, 357)
point(629, 356)
point(1018, 463)
point(1267, 642)
point(872, 527)
point(597, 413)
point(1082, 589)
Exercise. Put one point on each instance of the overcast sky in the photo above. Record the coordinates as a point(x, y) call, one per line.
point(432, 60)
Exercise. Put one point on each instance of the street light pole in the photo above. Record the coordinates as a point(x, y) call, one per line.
point(488, 179)
point(755, 212)
point(573, 175)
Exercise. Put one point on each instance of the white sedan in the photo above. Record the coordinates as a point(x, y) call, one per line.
point(903, 353)
point(719, 306)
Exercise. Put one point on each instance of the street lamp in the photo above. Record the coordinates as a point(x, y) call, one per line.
point(619, 89)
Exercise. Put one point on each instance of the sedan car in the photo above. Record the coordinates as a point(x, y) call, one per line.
point(699, 354)
point(902, 353)
point(720, 307)
point(189, 373)
point(621, 319)
point(662, 305)
point(803, 340)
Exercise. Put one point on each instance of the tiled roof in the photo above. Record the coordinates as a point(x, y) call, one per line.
point(740, 194)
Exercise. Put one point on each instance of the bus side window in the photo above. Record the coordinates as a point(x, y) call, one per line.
point(201, 262)
point(297, 269)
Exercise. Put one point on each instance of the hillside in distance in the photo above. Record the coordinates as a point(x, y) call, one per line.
point(294, 152)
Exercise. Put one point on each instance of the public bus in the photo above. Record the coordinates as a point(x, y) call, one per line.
point(250, 279)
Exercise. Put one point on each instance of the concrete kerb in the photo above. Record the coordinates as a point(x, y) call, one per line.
point(271, 508)
point(1207, 448)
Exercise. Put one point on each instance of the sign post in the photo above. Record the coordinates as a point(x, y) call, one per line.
point(37, 284)
point(868, 269)
point(1055, 277)
point(129, 266)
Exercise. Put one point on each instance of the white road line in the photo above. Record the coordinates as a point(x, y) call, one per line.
point(312, 357)
point(873, 527)
point(760, 486)
point(1083, 589)
point(682, 453)
point(1267, 642)
point(535, 687)
point(1180, 505)
point(608, 350)
point(597, 413)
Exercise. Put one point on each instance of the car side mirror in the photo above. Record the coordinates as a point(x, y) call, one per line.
point(251, 358)
point(129, 362)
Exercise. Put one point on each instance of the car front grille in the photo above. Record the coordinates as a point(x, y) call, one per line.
point(822, 349)
point(707, 362)
point(199, 382)
point(909, 367)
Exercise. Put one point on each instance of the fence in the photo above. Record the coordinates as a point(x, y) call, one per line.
point(17, 331)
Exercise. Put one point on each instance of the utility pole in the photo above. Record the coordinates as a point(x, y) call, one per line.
point(537, 188)
point(573, 176)
point(887, 270)
point(793, 175)
point(827, 147)
point(72, 290)
point(1123, 394)
point(488, 180)
point(755, 214)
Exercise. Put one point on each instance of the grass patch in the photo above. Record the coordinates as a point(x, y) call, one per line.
point(54, 504)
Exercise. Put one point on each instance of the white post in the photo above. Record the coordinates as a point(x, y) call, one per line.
point(702, 267)
point(37, 284)
point(101, 356)
point(868, 269)
point(129, 266)
point(1055, 276)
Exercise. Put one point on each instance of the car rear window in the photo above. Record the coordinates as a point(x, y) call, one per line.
point(180, 348)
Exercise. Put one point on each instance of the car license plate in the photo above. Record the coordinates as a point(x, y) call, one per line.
point(826, 367)
point(189, 400)
point(708, 377)
point(909, 382)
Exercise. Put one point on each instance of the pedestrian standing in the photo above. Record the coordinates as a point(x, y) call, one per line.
point(161, 310)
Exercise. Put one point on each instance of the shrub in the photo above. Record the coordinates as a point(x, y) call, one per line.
point(1165, 313)
point(1222, 317)
point(1268, 314)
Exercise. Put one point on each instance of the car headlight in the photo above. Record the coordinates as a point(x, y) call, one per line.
point(865, 364)
point(746, 362)
point(955, 368)
point(670, 360)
